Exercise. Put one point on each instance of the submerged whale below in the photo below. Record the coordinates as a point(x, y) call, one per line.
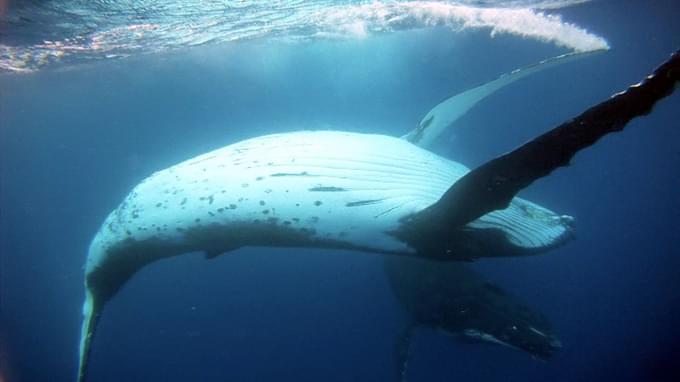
point(457, 301)
point(334, 189)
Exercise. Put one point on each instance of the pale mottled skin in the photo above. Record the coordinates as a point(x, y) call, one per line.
point(344, 188)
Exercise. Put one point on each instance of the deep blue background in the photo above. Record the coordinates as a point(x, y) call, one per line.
point(74, 142)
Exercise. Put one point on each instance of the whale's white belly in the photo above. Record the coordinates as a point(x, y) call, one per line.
point(323, 188)
point(330, 186)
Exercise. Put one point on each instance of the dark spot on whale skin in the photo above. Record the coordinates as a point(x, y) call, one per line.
point(210, 213)
point(232, 206)
point(220, 210)
point(318, 203)
point(179, 229)
point(265, 211)
point(286, 222)
point(303, 173)
point(128, 233)
point(210, 199)
point(268, 191)
point(197, 220)
point(259, 178)
point(363, 202)
point(184, 201)
point(297, 220)
point(135, 214)
point(327, 189)
point(244, 185)
point(159, 204)
point(297, 204)
point(262, 203)
point(314, 219)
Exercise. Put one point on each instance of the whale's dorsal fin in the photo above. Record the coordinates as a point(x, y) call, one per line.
point(493, 185)
point(451, 109)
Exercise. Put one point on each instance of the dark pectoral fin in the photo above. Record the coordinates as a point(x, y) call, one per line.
point(402, 352)
point(492, 186)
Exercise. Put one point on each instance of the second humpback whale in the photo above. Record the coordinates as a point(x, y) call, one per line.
point(335, 189)
point(456, 300)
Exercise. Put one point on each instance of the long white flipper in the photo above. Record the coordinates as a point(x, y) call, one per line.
point(451, 109)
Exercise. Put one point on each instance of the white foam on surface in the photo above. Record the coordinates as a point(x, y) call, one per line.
point(360, 20)
point(101, 30)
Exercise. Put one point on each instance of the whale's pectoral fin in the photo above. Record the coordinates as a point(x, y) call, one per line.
point(493, 185)
point(451, 109)
point(402, 351)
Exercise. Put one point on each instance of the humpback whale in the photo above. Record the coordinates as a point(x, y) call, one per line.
point(454, 299)
point(335, 189)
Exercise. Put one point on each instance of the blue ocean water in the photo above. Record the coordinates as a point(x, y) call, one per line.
point(75, 137)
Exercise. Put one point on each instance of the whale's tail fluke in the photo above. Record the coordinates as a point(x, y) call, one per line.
point(493, 185)
point(91, 312)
